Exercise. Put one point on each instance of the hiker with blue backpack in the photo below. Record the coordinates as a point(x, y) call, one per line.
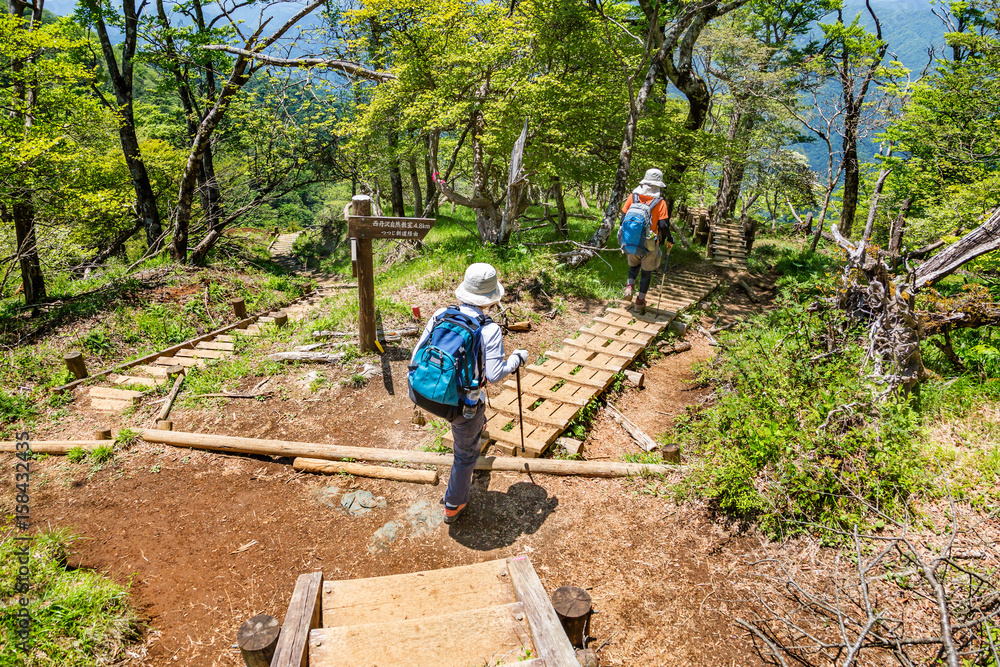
point(645, 225)
point(460, 351)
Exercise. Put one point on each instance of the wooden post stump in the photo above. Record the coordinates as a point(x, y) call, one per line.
point(671, 453)
point(174, 371)
point(361, 205)
point(76, 365)
point(102, 434)
point(573, 607)
point(588, 658)
point(164, 425)
point(239, 308)
point(257, 639)
point(280, 319)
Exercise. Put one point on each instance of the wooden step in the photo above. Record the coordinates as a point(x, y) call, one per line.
point(541, 386)
point(415, 595)
point(202, 354)
point(136, 380)
point(550, 412)
point(223, 338)
point(456, 639)
point(110, 405)
point(596, 361)
point(537, 437)
point(660, 319)
point(125, 395)
point(187, 362)
point(155, 371)
point(214, 345)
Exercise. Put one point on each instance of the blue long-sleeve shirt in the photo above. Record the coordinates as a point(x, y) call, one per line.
point(496, 368)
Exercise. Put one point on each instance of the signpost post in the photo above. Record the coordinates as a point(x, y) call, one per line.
point(362, 227)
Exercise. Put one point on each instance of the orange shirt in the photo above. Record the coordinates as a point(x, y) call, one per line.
point(659, 212)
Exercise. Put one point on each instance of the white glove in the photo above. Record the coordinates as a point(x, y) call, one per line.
point(522, 357)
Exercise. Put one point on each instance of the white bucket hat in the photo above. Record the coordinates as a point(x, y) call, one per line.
point(653, 177)
point(480, 287)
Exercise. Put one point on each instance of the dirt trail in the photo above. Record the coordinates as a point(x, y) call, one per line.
point(174, 521)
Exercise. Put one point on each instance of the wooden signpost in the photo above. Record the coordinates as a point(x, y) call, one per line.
point(362, 227)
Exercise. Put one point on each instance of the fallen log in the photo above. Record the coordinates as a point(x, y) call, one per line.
point(226, 443)
point(165, 410)
point(635, 378)
point(746, 288)
point(405, 331)
point(519, 326)
point(645, 443)
point(55, 447)
point(674, 348)
point(378, 472)
point(309, 357)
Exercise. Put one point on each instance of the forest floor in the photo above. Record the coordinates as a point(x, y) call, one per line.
point(208, 540)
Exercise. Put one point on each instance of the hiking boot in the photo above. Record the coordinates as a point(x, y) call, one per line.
point(451, 514)
point(627, 294)
point(640, 304)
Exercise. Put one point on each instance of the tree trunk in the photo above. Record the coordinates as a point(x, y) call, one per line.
point(431, 144)
point(896, 235)
point(32, 280)
point(583, 200)
point(22, 200)
point(395, 177)
point(563, 226)
point(852, 180)
point(121, 82)
point(418, 200)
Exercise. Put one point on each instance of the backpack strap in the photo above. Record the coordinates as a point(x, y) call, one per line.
point(635, 198)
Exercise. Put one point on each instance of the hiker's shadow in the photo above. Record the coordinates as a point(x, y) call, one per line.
point(494, 519)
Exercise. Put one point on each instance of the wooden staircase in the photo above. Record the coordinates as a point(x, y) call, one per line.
point(492, 613)
point(281, 250)
point(554, 390)
point(727, 245)
point(111, 396)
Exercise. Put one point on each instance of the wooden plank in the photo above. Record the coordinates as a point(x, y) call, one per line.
point(628, 336)
point(187, 362)
point(551, 412)
point(109, 404)
point(592, 343)
point(202, 354)
point(304, 614)
point(215, 345)
point(155, 371)
point(589, 359)
point(537, 437)
point(541, 386)
point(638, 326)
point(558, 368)
point(224, 339)
point(462, 639)
point(642, 318)
point(135, 379)
point(551, 643)
point(414, 595)
point(116, 394)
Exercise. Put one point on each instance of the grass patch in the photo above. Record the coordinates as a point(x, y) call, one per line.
point(795, 441)
point(80, 618)
point(76, 455)
point(102, 454)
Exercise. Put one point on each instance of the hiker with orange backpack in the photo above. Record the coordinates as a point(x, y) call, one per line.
point(644, 226)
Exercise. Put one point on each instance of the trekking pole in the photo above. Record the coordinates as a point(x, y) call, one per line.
point(660, 293)
point(520, 413)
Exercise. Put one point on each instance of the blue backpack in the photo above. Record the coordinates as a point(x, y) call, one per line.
point(637, 223)
point(448, 363)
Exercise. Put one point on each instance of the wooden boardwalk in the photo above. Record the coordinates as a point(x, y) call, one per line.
point(727, 245)
point(567, 378)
